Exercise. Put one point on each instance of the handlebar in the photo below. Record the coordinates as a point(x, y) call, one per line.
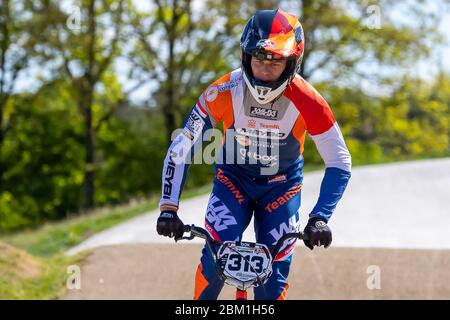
point(202, 233)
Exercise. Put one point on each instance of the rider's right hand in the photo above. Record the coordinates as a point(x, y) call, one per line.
point(169, 225)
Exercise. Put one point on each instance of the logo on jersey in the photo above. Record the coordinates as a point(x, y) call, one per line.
point(193, 125)
point(272, 134)
point(269, 126)
point(218, 214)
point(226, 181)
point(251, 123)
point(291, 193)
point(169, 174)
point(229, 85)
point(258, 157)
point(263, 113)
point(284, 228)
point(279, 178)
point(211, 93)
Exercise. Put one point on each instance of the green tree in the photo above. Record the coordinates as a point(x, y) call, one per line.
point(43, 154)
point(417, 118)
point(87, 47)
point(20, 26)
point(180, 52)
point(350, 40)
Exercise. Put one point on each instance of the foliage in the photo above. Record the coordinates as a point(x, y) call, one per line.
point(79, 116)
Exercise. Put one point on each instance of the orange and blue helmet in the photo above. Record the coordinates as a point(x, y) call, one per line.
point(271, 34)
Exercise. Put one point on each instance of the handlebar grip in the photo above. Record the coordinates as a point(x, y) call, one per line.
point(186, 228)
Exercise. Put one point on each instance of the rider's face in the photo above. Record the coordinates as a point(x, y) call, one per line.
point(267, 70)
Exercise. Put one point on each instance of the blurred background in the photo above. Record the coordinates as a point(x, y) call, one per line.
point(91, 90)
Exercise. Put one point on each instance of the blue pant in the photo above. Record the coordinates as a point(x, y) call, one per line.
point(236, 197)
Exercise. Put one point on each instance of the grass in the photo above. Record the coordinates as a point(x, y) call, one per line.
point(57, 237)
point(27, 277)
point(32, 262)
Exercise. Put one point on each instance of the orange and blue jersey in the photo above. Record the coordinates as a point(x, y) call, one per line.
point(261, 140)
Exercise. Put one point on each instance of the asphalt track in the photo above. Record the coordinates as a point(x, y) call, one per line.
point(394, 218)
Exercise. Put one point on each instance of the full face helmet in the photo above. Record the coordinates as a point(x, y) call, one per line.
point(271, 34)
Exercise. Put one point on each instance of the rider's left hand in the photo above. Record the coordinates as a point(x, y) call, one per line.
point(318, 233)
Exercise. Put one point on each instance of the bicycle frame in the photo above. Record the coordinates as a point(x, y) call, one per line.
point(241, 294)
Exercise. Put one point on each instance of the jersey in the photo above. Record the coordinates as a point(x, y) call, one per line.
point(260, 140)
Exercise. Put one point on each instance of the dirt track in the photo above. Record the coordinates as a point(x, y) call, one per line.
point(160, 271)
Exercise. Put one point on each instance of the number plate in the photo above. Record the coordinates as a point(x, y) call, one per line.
point(242, 263)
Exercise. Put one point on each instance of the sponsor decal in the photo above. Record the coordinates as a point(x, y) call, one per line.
point(260, 133)
point(167, 215)
point(265, 43)
point(279, 178)
point(284, 228)
point(218, 214)
point(269, 126)
point(229, 85)
point(256, 156)
point(169, 174)
point(290, 226)
point(291, 193)
point(320, 224)
point(264, 145)
point(226, 181)
point(259, 112)
point(194, 124)
point(211, 93)
point(267, 144)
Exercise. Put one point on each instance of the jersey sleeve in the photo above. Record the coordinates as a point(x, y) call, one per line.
point(320, 124)
point(326, 134)
point(332, 148)
point(180, 155)
point(213, 106)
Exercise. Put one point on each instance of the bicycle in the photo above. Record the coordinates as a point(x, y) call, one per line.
point(256, 257)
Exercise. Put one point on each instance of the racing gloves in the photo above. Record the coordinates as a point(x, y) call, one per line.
point(169, 225)
point(318, 233)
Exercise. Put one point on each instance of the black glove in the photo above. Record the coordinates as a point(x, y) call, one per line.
point(169, 225)
point(318, 233)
